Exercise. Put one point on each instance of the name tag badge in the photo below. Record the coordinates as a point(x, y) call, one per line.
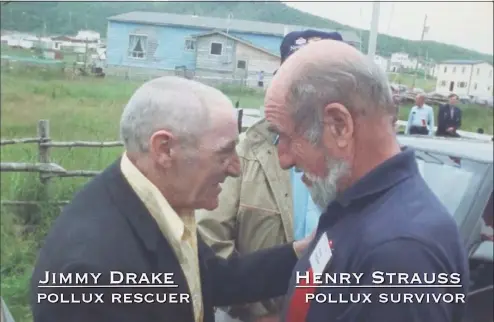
point(321, 255)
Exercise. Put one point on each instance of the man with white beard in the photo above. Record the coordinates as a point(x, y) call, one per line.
point(265, 205)
point(334, 116)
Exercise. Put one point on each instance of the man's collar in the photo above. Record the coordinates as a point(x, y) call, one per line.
point(389, 173)
point(149, 193)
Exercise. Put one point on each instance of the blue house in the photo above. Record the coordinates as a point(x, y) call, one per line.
point(152, 43)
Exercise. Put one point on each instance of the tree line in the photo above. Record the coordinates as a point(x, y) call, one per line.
point(67, 18)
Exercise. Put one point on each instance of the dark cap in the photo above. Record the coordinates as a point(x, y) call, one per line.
point(297, 39)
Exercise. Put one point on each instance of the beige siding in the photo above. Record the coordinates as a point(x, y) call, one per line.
point(256, 60)
point(221, 63)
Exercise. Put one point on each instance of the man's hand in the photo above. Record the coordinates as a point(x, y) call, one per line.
point(301, 245)
point(268, 318)
point(450, 129)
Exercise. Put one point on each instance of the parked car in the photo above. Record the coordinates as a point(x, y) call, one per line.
point(459, 172)
point(484, 100)
point(465, 99)
point(417, 90)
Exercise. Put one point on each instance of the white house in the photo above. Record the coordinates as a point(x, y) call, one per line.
point(403, 60)
point(20, 40)
point(465, 78)
point(400, 57)
point(88, 35)
point(382, 62)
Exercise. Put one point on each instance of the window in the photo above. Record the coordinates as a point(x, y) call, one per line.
point(463, 70)
point(488, 221)
point(443, 83)
point(216, 49)
point(454, 70)
point(462, 84)
point(475, 86)
point(241, 64)
point(478, 71)
point(138, 46)
point(190, 45)
point(445, 69)
point(441, 172)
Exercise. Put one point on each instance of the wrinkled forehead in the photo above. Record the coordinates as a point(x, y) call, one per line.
point(222, 134)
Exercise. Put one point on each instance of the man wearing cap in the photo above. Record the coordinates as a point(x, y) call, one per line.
point(266, 205)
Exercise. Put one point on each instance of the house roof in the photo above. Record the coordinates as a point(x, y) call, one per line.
point(462, 62)
point(248, 43)
point(256, 27)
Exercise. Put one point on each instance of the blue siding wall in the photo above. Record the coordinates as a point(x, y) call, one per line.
point(170, 45)
point(271, 43)
point(169, 51)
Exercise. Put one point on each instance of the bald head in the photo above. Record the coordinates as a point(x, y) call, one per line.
point(330, 71)
point(333, 110)
point(420, 99)
point(180, 106)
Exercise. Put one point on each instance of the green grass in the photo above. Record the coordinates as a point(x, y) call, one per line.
point(81, 109)
point(427, 85)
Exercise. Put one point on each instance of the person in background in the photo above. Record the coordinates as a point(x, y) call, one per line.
point(449, 118)
point(260, 79)
point(332, 109)
point(421, 118)
point(266, 205)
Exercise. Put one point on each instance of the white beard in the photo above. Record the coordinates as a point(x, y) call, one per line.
point(324, 190)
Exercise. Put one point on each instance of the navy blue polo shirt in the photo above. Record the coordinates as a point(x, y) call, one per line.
point(387, 222)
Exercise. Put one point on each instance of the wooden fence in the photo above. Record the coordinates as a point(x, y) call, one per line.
point(44, 166)
point(47, 169)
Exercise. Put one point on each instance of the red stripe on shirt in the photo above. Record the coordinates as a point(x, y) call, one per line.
point(299, 306)
point(297, 311)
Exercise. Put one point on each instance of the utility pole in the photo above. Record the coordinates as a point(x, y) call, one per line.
point(371, 51)
point(424, 31)
point(427, 64)
point(360, 31)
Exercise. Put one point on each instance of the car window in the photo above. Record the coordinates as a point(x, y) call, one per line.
point(488, 221)
point(448, 178)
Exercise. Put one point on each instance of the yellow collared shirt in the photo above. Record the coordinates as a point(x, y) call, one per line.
point(179, 230)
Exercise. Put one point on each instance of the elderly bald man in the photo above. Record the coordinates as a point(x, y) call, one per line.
point(137, 219)
point(421, 118)
point(333, 114)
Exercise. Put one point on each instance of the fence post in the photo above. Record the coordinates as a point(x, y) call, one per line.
point(43, 151)
point(239, 119)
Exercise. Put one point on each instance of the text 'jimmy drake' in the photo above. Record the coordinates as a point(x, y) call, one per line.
point(109, 287)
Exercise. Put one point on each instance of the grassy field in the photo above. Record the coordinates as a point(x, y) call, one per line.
point(427, 85)
point(84, 109)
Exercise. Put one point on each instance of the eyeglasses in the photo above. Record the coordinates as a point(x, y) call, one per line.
point(275, 142)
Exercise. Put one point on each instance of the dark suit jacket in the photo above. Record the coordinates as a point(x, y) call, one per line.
point(445, 121)
point(107, 228)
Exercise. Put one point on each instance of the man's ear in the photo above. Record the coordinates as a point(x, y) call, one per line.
point(339, 122)
point(161, 147)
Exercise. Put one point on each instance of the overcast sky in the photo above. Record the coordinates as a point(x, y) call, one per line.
point(467, 24)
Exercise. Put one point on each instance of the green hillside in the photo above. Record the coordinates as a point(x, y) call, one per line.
point(69, 17)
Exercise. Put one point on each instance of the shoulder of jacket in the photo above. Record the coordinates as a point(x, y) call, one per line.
point(254, 138)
